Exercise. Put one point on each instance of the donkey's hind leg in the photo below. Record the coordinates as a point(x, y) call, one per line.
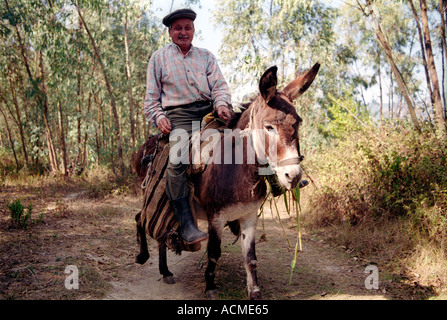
point(168, 277)
point(141, 237)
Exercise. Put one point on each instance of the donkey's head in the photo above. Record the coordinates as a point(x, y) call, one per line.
point(276, 125)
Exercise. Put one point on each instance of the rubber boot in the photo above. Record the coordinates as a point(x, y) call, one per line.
point(190, 233)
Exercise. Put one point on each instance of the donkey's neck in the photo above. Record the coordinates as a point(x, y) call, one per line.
point(225, 184)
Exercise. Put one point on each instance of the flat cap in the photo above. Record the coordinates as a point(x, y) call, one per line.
point(177, 14)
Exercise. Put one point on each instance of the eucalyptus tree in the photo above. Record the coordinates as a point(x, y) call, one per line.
point(439, 111)
point(397, 27)
point(292, 34)
point(21, 33)
point(81, 65)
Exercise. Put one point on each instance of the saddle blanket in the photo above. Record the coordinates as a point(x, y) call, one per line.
point(157, 216)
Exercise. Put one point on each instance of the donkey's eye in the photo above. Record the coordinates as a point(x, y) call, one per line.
point(270, 128)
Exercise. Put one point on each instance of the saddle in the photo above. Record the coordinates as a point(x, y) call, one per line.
point(157, 216)
point(201, 144)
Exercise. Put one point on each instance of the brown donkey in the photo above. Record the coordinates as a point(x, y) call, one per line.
point(261, 140)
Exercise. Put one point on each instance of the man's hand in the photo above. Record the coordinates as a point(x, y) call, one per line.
point(223, 112)
point(164, 125)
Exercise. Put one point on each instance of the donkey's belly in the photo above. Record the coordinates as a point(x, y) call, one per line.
point(240, 210)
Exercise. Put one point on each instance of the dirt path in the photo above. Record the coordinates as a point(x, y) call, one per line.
point(98, 237)
point(322, 271)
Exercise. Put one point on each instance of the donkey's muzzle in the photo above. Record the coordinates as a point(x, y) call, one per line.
point(293, 180)
point(289, 175)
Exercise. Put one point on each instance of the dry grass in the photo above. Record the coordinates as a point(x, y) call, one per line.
point(73, 222)
point(72, 232)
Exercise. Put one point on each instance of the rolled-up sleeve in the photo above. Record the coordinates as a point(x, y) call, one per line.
point(152, 102)
point(220, 91)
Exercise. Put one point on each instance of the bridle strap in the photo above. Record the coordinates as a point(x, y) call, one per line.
point(292, 161)
point(289, 162)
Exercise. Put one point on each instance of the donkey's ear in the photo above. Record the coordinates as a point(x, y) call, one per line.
point(298, 86)
point(267, 84)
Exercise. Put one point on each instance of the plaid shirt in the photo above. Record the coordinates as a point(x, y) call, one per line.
point(174, 79)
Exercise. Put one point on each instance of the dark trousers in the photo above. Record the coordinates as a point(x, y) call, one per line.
point(185, 120)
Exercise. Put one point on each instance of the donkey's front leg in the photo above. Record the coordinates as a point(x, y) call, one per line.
point(168, 277)
point(141, 237)
point(248, 228)
point(214, 252)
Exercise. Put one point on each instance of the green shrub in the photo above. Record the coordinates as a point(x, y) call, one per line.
point(18, 216)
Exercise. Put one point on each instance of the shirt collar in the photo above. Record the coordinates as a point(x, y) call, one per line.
point(180, 50)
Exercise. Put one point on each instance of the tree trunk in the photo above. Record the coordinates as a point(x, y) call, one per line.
point(380, 95)
point(443, 12)
point(129, 83)
point(62, 138)
point(85, 150)
point(98, 127)
point(80, 99)
point(18, 114)
point(79, 96)
point(19, 121)
point(391, 98)
point(400, 81)
point(445, 84)
point(424, 59)
point(52, 156)
point(439, 112)
point(11, 141)
point(109, 89)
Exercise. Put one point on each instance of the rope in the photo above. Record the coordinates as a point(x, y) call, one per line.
point(149, 166)
point(147, 178)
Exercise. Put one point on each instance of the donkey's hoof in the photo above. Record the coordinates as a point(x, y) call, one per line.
point(211, 294)
point(142, 258)
point(169, 280)
point(255, 295)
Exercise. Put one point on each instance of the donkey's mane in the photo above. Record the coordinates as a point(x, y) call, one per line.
point(236, 116)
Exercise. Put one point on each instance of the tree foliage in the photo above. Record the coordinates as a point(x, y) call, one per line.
point(346, 40)
point(63, 77)
point(72, 72)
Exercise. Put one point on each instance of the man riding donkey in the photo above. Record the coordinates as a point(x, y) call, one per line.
point(184, 84)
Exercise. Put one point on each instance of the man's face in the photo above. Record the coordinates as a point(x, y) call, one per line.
point(182, 33)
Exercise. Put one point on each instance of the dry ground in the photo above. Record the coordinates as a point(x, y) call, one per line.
point(98, 237)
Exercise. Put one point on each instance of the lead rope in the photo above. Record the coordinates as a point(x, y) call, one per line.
point(147, 178)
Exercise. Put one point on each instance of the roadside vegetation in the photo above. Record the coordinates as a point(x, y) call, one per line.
point(381, 192)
